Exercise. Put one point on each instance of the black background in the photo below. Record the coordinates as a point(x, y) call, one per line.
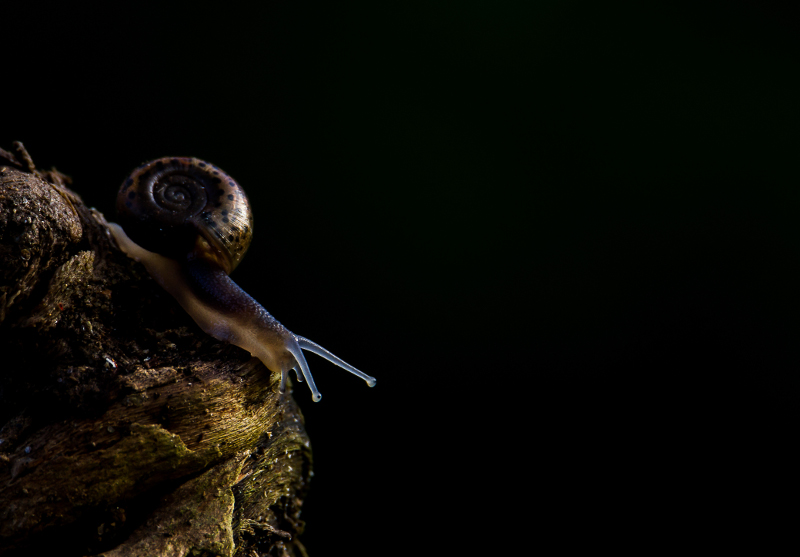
point(562, 235)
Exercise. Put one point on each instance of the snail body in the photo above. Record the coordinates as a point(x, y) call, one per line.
point(198, 223)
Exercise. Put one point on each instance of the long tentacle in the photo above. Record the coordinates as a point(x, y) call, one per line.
point(311, 346)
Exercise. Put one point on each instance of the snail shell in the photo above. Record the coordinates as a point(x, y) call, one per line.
point(165, 204)
point(190, 224)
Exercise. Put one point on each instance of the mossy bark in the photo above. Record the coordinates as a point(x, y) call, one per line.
point(124, 429)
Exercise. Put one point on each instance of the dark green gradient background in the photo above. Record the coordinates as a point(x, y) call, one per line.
point(564, 236)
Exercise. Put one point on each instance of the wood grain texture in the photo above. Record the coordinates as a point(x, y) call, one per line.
point(124, 429)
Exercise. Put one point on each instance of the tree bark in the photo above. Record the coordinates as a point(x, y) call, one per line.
point(124, 429)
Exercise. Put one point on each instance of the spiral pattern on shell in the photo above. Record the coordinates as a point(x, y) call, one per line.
point(164, 204)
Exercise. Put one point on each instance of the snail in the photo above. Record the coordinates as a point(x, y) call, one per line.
point(198, 223)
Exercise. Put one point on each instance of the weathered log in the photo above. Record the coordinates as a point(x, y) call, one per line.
point(124, 429)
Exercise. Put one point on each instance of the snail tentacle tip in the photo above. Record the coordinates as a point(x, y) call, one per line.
point(316, 397)
point(371, 382)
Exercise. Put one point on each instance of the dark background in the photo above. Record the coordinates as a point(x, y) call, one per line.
point(562, 235)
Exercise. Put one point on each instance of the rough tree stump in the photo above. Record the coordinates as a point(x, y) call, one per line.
point(124, 429)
